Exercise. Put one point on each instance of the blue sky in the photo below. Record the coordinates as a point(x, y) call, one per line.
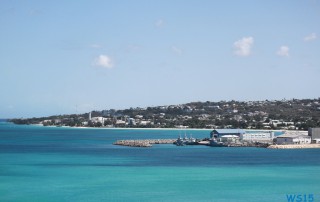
point(61, 57)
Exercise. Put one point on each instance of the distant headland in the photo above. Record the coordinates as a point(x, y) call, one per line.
point(294, 114)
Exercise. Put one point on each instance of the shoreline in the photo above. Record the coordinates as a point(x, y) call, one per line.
point(147, 143)
point(112, 128)
point(190, 129)
point(295, 146)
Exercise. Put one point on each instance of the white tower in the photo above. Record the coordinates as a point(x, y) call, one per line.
point(89, 116)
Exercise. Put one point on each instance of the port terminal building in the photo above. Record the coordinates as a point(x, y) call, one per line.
point(314, 133)
point(293, 137)
point(242, 135)
point(217, 133)
point(262, 136)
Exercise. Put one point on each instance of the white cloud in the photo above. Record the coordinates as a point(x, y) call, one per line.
point(243, 46)
point(176, 50)
point(103, 61)
point(283, 51)
point(310, 37)
point(159, 23)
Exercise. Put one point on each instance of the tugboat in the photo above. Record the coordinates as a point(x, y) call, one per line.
point(215, 143)
point(180, 141)
point(191, 140)
point(186, 141)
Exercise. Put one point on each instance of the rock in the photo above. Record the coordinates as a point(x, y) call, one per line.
point(143, 143)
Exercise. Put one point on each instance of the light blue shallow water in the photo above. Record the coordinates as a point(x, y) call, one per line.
point(65, 164)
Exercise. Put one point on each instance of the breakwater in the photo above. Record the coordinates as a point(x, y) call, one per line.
point(144, 143)
point(295, 146)
point(150, 142)
point(246, 144)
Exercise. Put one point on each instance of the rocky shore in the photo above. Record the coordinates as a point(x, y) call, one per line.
point(143, 143)
point(295, 146)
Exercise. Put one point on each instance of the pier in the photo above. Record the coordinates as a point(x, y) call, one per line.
point(144, 143)
point(295, 146)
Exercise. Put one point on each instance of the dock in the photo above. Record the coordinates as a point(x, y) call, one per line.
point(144, 143)
point(295, 146)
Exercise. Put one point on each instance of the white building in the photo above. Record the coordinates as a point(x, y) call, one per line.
point(314, 133)
point(97, 119)
point(229, 138)
point(139, 116)
point(257, 137)
point(144, 123)
point(275, 122)
point(131, 121)
point(120, 122)
point(294, 138)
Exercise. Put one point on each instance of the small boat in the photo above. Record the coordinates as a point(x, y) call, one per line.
point(215, 143)
point(186, 141)
point(180, 142)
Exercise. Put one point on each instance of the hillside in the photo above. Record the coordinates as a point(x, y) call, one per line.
point(278, 114)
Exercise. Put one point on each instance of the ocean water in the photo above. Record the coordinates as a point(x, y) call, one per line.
point(71, 164)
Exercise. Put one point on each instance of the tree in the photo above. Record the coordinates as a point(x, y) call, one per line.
point(108, 122)
point(90, 124)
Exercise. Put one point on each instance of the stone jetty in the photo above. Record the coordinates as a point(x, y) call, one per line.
point(144, 143)
point(295, 146)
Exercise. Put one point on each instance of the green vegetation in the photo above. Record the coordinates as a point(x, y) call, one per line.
point(279, 114)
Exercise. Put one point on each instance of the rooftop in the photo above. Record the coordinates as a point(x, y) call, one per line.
point(294, 134)
point(230, 131)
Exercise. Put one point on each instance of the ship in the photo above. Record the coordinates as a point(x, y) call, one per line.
point(186, 141)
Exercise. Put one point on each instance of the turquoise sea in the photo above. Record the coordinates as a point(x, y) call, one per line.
point(72, 164)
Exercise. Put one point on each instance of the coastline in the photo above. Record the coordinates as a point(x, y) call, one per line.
point(189, 129)
point(112, 128)
point(299, 146)
point(295, 146)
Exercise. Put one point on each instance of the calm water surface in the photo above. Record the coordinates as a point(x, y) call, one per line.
point(70, 164)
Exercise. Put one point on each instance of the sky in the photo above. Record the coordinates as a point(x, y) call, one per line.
point(64, 57)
